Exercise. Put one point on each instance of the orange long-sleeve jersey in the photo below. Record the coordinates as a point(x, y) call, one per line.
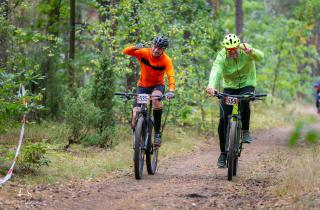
point(152, 69)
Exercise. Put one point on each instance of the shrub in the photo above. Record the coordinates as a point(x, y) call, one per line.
point(33, 156)
point(80, 116)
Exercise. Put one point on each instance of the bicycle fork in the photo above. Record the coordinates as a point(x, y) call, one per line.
point(234, 118)
point(148, 137)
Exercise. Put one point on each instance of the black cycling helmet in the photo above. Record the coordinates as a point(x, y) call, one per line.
point(161, 41)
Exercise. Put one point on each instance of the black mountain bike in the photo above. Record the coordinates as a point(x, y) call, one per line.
point(143, 138)
point(234, 135)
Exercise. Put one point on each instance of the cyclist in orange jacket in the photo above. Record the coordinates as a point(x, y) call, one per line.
point(154, 64)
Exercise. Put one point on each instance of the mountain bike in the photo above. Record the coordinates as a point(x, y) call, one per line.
point(142, 135)
point(234, 135)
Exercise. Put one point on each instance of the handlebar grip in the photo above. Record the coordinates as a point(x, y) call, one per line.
point(261, 95)
point(218, 96)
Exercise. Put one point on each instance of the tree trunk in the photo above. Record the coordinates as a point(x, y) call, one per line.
point(214, 8)
point(133, 77)
point(71, 83)
point(51, 84)
point(276, 72)
point(239, 18)
point(4, 35)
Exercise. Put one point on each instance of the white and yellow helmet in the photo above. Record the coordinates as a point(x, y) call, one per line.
point(231, 41)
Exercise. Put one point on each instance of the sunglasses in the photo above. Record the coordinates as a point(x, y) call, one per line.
point(232, 49)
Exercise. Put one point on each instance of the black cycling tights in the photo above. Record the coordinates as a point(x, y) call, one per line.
point(157, 120)
point(226, 110)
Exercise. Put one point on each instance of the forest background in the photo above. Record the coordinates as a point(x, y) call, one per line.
point(68, 55)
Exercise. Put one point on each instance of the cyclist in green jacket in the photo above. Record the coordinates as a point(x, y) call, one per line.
point(235, 65)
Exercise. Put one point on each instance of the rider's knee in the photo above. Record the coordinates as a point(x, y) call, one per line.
point(156, 103)
point(135, 110)
point(134, 114)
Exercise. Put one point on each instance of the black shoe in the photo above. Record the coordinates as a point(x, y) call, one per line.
point(246, 138)
point(222, 160)
point(157, 139)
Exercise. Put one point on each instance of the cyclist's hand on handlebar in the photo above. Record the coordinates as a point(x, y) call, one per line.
point(139, 46)
point(170, 95)
point(211, 91)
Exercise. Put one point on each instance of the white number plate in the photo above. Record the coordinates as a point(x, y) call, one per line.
point(142, 98)
point(231, 100)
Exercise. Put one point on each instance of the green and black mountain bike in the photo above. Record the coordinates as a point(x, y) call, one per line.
point(234, 135)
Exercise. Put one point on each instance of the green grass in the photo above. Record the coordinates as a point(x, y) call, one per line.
point(300, 170)
point(269, 115)
point(300, 181)
point(80, 162)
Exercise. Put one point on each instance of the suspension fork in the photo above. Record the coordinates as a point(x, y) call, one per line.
point(232, 118)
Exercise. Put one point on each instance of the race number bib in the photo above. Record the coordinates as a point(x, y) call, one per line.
point(142, 98)
point(231, 100)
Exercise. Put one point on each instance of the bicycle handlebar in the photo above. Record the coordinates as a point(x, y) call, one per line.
point(130, 95)
point(246, 96)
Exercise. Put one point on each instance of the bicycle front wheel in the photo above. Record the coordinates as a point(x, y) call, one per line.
point(138, 157)
point(151, 152)
point(231, 150)
point(237, 149)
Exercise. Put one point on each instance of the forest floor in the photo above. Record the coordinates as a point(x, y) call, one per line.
point(190, 181)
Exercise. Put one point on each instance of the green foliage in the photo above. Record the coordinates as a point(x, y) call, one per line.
point(289, 53)
point(80, 115)
point(295, 135)
point(312, 136)
point(32, 156)
point(103, 90)
point(37, 35)
point(302, 129)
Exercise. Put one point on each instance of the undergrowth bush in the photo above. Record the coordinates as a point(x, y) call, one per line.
point(32, 156)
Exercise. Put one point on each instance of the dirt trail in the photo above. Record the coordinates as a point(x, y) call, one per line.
point(188, 182)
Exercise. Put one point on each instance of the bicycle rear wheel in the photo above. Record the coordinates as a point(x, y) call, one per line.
point(231, 150)
point(152, 152)
point(138, 157)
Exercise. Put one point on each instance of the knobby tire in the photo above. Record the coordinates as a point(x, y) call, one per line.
point(238, 148)
point(152, 152)
point(231, 149)
point(138, 157)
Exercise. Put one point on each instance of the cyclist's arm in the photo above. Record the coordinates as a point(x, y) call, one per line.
point(132, 51)
point(256, 54)
point(170, 75)
point(216, 71)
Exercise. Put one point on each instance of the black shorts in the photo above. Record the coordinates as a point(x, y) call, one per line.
point(147, 90)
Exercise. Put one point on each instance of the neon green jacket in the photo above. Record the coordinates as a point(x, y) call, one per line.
point(236, 73)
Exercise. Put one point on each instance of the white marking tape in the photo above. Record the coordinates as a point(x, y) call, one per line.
point(10, 171)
